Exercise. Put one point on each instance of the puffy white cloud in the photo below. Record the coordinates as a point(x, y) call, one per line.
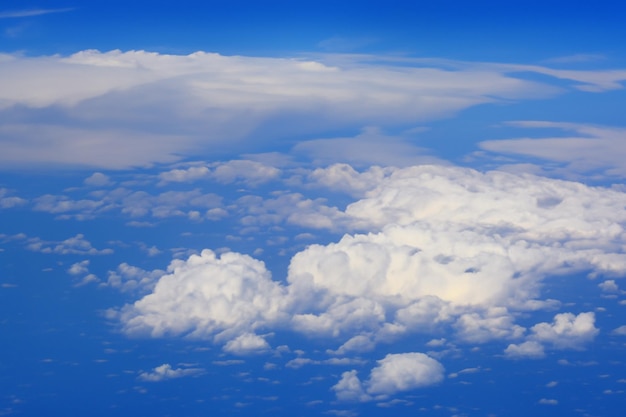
point(165, 372)
point(404, 372)
point(349, 388)
point(221, 298)
point(246, 344)
point(447, 247)
point(448, 243)
point(394, 373)
point(527, 350)
point(567, 330)
point(609, 286)
point(495, 323)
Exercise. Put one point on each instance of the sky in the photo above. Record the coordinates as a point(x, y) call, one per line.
point(312, 208)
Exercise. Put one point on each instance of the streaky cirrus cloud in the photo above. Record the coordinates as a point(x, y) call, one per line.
point(586, 150)
point(32, 12)
point(123, 109)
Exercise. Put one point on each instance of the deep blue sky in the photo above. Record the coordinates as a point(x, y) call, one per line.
point(312, 208)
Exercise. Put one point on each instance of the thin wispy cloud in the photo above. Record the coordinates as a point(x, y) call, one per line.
point(15, 14)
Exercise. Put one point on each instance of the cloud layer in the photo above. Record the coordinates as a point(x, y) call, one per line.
point(446, 247)
point(121, 109)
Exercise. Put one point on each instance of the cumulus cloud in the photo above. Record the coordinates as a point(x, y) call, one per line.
point(609, 286)
point(165, 372)
point(163, 107)
point(567, 330)
point(131, 278)
point(395, 373)
point(246, 343)
point(224, 298)
point(133, 203)
point(527, 350)
point(76, 245)
point(250, 172)
point(452, 244)
point(446, 247)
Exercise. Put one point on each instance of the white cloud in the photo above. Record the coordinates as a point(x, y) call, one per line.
point(98, 179)
point(132, 278)
point(132, 203)
point(395, 373)
point(620, 331)
point(608, 286)
point(246, 344)
point(567, 330)
point(166, 106)
point(250, 172)
point(79, 268)
point(349, 388)
point(76, 245)
point(495, 323)
point(165, 372)
point(445, 247)
point(32, 12)
point(589, 148)
point(7, 201)
point(220, 298)
point(370, 147)
point(527, 350)
point(548, 401)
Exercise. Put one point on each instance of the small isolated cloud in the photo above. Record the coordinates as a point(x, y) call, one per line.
point(395, 373)
point(567, 331)
point(370, 147)
point(246, 344)
point(609, 286)
point(98, 179)
point(7, 201)
point(527, 350)
point(620, 331)
point(79, 268)
point(548, 401)
point(165, 372)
